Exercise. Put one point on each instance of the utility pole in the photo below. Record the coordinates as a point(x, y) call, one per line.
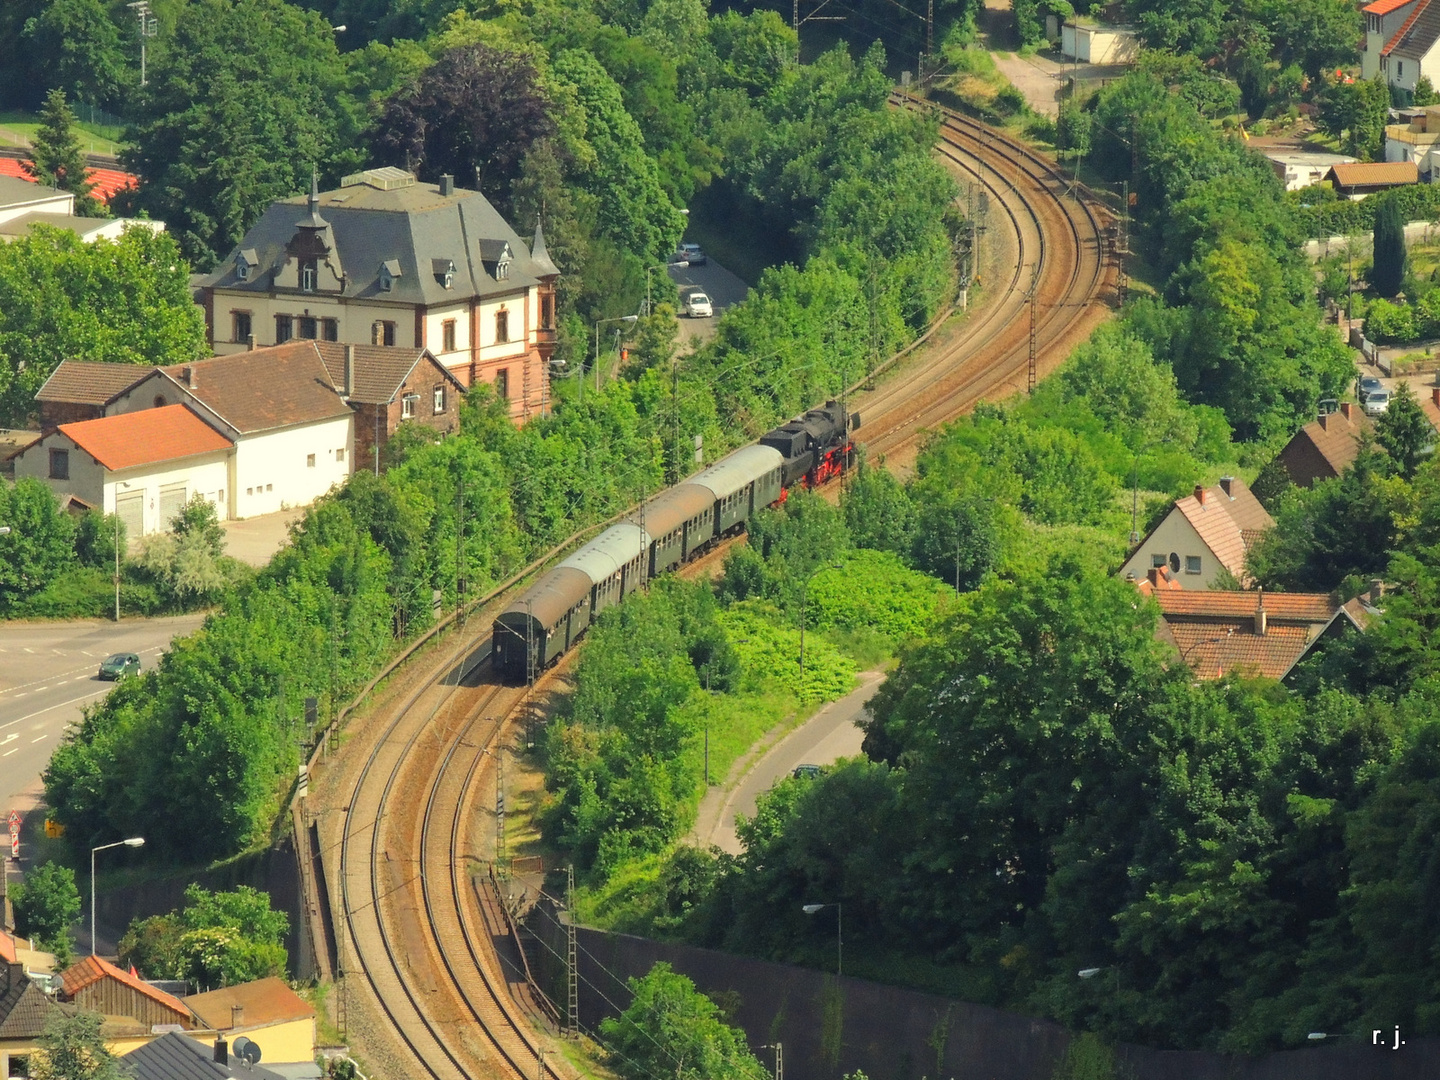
point(1122, 279)
point(459, 531)
point(117, 563)
point(149, 27)
point(1030, 377)
point(572, 1023)
point(501, 859)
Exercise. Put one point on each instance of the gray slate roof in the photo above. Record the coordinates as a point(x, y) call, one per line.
point(178, 1057)
point(411, 226)
point(17, 192)
point(23, 1005)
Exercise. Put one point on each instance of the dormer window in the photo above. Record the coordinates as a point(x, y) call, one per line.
point(389, 271)
point(496, 255)
point(502, 269)
point(242, 270)
point(245, 261)
point(444, 270)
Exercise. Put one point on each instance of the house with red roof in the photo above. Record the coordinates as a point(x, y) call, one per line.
point(1325, 447)
point(143, 466)
point(1400, 39)
point(1252, 634)
point(1203, 537)
point(97, 985)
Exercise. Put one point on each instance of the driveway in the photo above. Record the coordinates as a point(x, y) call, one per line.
point(255, 540)
point(724, 289)
point(829, 735)
point(48, 675)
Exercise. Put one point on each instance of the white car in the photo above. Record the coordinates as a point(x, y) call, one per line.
point(698, 306)
point(1377, 402)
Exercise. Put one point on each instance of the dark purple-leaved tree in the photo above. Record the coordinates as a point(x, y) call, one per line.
point(474, 112)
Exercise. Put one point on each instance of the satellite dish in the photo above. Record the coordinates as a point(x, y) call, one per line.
point(246, 1050)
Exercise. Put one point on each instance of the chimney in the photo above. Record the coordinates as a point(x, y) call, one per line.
point(1324, 419)
point(447, 184)
point(1435, 395)
point(222, 1050)
point(1347, 410)
point(191, 379)
point(1377, 590)
point(1200, 494)
point(1154, 576)
point(349, 387)
point(237, 1016)
point(1227, 484)
point(1260, 617)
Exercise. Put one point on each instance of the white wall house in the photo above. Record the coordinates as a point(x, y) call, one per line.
point(1400, 39)
point(1096, 44)
point(143, 466)
point(1203, 535)
point(385, 260)
point(293, 434)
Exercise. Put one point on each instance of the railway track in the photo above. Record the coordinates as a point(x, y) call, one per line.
point(416, 940)
point(1052, 242)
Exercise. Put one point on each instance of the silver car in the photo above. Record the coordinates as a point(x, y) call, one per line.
point(1377, 402)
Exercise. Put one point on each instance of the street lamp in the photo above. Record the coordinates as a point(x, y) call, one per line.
point(658, 266)
point(811, 909)
point(599, 323)
point(134, 841)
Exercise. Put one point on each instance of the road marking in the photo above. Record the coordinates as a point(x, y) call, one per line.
point(7, 753)
point(61, 705)
point(29, 650)
point(41, 739)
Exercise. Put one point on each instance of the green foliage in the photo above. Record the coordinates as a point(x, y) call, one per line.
point(771, 651)
point(671, 1029)
point(125, 301)
point(1086, 1058)
point(1404, 431)
point(187, 566)
point(1389, 268)
point(215, 939)
point(72, 1047)
point(73, 47)
point(1355, 112)
point(1386, 322)
point(243, 102)
point(46, 903)
point(55, 158)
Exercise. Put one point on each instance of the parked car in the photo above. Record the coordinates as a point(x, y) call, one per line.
point(805, 772)
point(698, 306)
point(1369, 384)
point(691, 253)
point(1377, 403)
point(119, 665)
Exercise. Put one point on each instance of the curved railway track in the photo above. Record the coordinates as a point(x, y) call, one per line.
point(410, 928)
point(1053, 242)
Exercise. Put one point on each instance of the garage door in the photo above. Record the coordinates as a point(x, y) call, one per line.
point(172, 501)
point(131, 511)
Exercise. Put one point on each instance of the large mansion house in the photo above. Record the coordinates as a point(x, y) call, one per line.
point(386, 260)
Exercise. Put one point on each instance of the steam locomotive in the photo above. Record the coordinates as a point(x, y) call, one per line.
point(667, 530)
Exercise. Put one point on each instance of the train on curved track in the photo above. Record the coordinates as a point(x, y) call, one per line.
point(668, 530)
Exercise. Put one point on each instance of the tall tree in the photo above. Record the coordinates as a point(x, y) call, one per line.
point(75, 46)
point(125, 300)
point(1404, 431)
point(55, 158)
point(46, 903)
point(474, 113)
point(673, 1030)
point(1389, 271)
point(245, 100)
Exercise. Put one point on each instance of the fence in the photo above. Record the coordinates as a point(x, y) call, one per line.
point(830, 1028)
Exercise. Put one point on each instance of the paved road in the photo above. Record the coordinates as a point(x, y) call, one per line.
point(826, 737)
point(48, 674)
point(724, 289)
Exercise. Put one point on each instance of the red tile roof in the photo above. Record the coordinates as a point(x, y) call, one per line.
point(92, 969)
point(1375, 174)
point(1300, 607)
point(1324, 448)
point(264, 389)
point(140, 438)
point(7, 949)
point(1385, 7)
point(87, 382)
point(264, 1001)
point(107, 181)
point(1217, 632)
point(1227, 523)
